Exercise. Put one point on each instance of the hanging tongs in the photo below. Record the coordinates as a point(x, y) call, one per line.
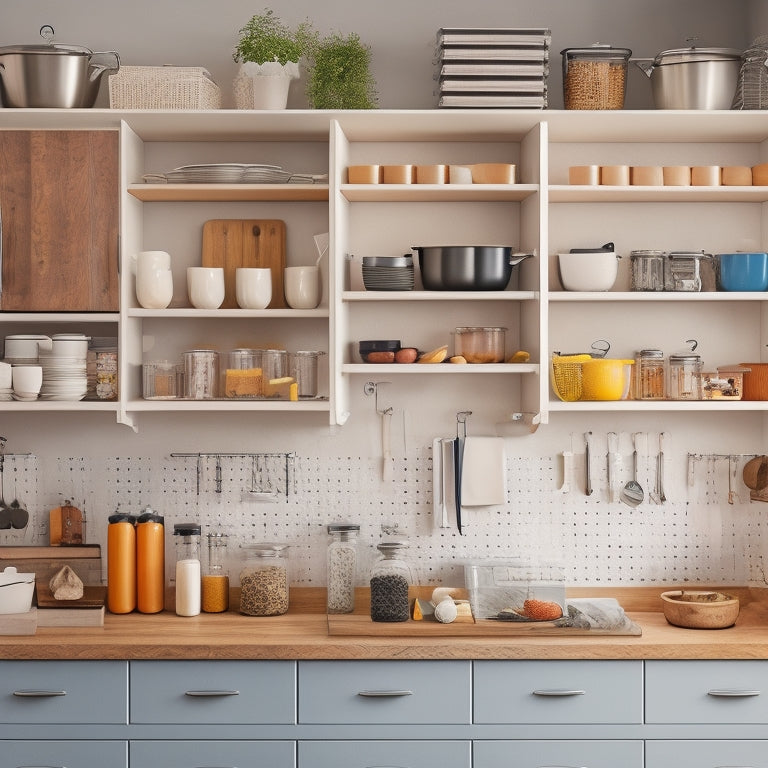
point(458, 458)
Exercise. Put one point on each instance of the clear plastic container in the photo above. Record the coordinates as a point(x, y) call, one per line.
point(595, 77)
point(650, 375)
point(341, 562)
point(302, 366)
point(391, 576)
point(186, 538)
point(243, 376)
point(647, 270)
point(264, 580)
point(201, 374)
point(480, 345)
point(691, 271)
point(163, 380)
point(215, 580)
point(685, 377)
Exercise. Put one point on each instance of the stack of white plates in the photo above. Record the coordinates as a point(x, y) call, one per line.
point(64, 378)
point(388, 273)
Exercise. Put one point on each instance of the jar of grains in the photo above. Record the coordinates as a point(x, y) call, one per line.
point(341, 562)
point(264, 580)
point(595, 77)
point(390, 578)
point(650, 375)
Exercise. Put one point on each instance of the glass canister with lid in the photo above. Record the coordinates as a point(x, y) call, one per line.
point(650, 375)
point(215, 580)
point(391, 576)
point(685, 375)
point(341, 567)
point(691, 271)
point(264, 580)
point(647, 269)
point(595, 77)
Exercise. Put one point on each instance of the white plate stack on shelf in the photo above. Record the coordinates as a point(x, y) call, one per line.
point(65, 368)
point(493, 67)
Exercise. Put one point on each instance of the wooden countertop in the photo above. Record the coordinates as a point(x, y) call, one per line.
point(302, 633)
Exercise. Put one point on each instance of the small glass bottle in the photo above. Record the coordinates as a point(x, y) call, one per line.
point(341, 563)
point(390, 578)
point(264, 580)
point(121, 563)
point(650, 375)
point(215, 582)
point(187, 541)
point(150, 562)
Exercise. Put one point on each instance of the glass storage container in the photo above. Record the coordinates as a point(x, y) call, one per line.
point(647, 269)
point(264, 580)
point(215, 581)
point(201, 374)
point(685, 377)
point(650, 375)
point(390, 579)
point(341, 562)
point(595, 77)
point(691, 271)
point(187, 544)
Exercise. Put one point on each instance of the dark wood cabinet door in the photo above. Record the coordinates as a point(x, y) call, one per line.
point(59, 207)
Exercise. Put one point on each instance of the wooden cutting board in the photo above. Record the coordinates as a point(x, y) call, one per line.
point(93, 597)
point(233, 243)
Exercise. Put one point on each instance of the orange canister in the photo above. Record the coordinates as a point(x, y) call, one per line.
point(121, 563)
point(150, 562)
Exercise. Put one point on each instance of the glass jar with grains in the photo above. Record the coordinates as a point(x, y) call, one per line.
point(341, 562)
point(264, 580)
point(390, 578)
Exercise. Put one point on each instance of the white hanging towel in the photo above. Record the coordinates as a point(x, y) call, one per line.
point(483, 472)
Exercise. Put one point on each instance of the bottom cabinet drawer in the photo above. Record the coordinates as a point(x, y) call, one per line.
point(535, 754)
point(223, 754)
point(367, 754)
point(706, 754)
point(72, 754)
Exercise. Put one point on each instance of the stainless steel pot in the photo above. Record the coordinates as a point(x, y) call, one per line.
point(693, 78)
point(467, 267)
point(52, 75)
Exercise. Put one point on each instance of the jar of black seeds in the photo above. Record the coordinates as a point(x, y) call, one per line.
point(391, 576)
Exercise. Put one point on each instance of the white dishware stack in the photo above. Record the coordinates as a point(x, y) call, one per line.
point(65, 367)
point(493, 67)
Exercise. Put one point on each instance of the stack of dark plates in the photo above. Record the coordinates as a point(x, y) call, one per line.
point(388, 273)
point(493, 67)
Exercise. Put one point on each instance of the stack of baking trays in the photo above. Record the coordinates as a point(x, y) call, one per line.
point(493, 67)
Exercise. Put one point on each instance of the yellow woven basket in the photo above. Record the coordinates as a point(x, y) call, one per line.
point(565, 375)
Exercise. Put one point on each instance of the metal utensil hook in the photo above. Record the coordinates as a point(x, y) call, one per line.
point(461, 423)
point(372, 388)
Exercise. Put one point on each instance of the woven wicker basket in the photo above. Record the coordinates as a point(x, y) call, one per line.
point(163, 88)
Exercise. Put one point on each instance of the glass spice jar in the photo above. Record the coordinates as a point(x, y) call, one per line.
point(215, 581)
point(264, 580)
point(341, 561)
point(390, 578)
point(650, 375)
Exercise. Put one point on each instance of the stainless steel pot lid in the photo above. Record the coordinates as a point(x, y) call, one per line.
point(685, 55)
point(48, 50)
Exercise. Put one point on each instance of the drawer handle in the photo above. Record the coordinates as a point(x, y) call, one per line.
point(558, 692)
point(734, 693)
point(38, 694)
point(384, 694)
point(211, 694)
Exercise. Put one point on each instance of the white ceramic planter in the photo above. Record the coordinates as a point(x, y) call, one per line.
point(264, 86)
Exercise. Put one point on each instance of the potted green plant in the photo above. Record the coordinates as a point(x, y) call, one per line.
point(268, 52)
point(339, 74)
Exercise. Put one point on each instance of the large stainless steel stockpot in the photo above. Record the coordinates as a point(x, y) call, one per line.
point(52, 75)
point(467, 267)
point(693, 78)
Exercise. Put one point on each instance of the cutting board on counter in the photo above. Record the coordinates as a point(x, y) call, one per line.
point(233, 243)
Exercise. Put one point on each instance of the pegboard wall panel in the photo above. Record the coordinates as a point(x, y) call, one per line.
point(695, 536)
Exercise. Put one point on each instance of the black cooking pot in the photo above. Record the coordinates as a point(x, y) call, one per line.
point(467, 267)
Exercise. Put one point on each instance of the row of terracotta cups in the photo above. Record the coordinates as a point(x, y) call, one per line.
point(669, 175)
point(475, 173)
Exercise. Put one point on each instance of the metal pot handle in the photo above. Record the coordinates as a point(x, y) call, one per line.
point(98, 69)
point(646, 65)
point(516, 258)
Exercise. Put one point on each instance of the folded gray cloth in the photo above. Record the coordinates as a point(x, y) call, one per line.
point(596, 613)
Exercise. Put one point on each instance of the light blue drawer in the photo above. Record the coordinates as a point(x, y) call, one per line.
point(404, 754)
point(213, 692)
point(223, 754)
point(63, 692)
point(384, 692)
point(72, 754)
point(706, 754)
point(534, 754)
point(558, 691)
point(706, 691)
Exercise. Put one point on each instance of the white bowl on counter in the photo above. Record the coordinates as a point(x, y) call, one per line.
point(16, 591)
point(589, 270)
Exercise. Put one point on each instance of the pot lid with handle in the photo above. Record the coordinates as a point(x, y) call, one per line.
point(694, 54)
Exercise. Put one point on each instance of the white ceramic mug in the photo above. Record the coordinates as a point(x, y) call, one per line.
point(27, 379)
point(154, 287)
point(302, 287)
point(253, 287)
point(205, 286)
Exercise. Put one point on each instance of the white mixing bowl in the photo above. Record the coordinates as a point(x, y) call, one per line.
point(592, 271)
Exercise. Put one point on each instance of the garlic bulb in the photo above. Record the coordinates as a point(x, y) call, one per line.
point(446, 611)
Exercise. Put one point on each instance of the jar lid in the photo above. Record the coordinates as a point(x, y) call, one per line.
point(343, 528)
point(689, 255)
point(597, 51)
point(265, 549)
point(390, 547)
point(479, 329)
point(650, 353)
point(186, 529)
point(122, 517)
point(149, 516)
point(684, 357)
point(646, 254)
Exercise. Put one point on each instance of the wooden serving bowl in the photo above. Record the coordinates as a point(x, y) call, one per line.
point(698, 609)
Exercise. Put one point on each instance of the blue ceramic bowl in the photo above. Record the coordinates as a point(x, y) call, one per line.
point(743, 271)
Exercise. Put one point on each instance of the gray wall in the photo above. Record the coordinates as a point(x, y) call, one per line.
point(401, 33)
